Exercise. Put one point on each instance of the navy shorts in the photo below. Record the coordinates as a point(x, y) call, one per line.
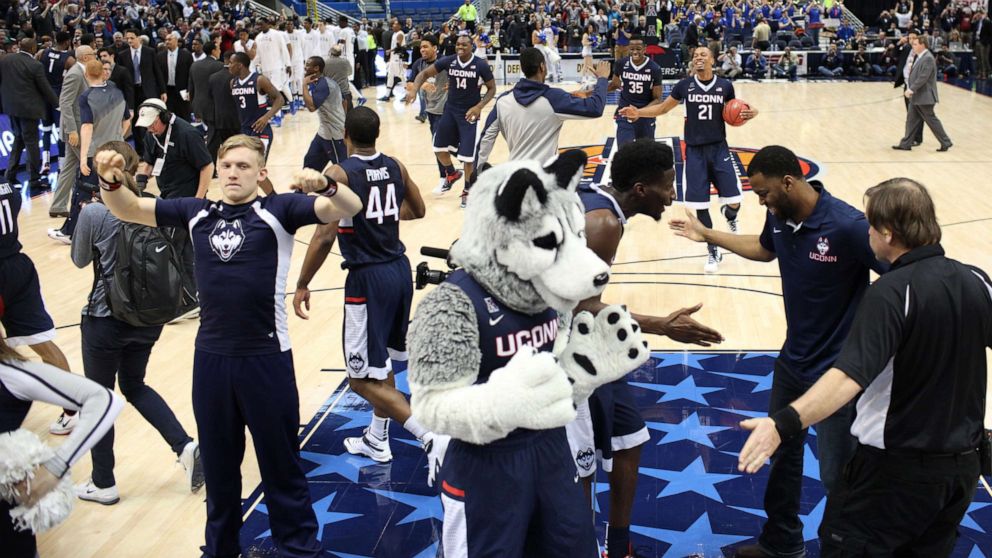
point(628, 131)
point(519, 496)
point(265, 136)
point(616, 423)
point(25, 319)
point(323, 151)
point(455, 134)
point(377, 300)
point(709, 164)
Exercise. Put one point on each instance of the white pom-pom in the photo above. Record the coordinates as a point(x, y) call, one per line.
point(21, 452)
point(53, 509)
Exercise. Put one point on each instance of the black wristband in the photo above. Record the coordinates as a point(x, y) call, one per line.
point(787, 422)
point(330, 189)
point(109, 186)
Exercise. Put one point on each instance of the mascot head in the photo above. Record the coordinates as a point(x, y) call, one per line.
point(524, 236)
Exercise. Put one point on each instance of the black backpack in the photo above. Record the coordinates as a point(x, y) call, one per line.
point(149, 286)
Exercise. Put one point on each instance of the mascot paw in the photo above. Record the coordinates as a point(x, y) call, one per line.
point(532, 391)
point(602, 349)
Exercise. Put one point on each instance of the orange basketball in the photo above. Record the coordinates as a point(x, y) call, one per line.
point(732, 112)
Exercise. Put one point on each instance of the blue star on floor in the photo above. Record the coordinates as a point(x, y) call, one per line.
point(759, 355)
point(320, 509)
point(686, 389)
point(688, 542)
point(402, 383)
point(761, 382)
point(811, 466)
point(688, 360)
point(424, 507)
point(693, 478)
point(811, 521)
point(356, 419)
point(743, 413)
point(344, 464)
point(976, 553)
point(970, 523)
point(689, 429)
point(343, 555)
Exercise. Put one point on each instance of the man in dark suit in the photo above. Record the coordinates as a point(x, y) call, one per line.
point(119, 76)
point(199, 88)
point(174, 63)
point(24, 92)
point(906, 59)
point(149, 82)
point(983, 41)
point(921, 90)
point(227, 119)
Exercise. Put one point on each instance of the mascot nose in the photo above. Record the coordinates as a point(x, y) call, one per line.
point(601, 279)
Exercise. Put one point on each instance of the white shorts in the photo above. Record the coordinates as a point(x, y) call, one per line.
point(581, 442)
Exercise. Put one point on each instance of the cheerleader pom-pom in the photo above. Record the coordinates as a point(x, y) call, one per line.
point(51, 510)
point(21, 452)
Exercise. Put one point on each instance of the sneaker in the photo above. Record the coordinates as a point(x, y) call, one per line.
point(190, 460)
point(442, 187)
point(421, 118)
point(59, 236)
point(362, 101)
point(450, 180)
point(64, 424)
point(191, 315)
point(464, 200)
point(713, 261)
point(385, 99)
point(376, 450)
point(89, 492)
point(435, 446)
point(732, 223)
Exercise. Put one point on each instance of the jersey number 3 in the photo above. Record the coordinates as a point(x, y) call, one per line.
point(376, 209)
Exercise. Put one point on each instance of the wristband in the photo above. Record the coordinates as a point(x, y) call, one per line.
point(787, 422)
point(109, 186)
point(330, 189)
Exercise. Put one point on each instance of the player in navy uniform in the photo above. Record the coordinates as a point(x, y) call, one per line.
point(707, 156)
point(25, 318)
point(378, 292)
point(243, 366)
point(56, 62)
point(643, 177)
point(257, 100)
point(639, 80)
point(455, 132)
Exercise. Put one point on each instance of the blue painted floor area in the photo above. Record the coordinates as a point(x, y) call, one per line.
point(691, 501)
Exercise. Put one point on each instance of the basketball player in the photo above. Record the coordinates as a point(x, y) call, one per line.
point(243, 364)
point(258, 102)
point(295, 38)
point(56, 60)
point(273, 60)
point(378, 292)
point(455, 131)
point(24, 316)
point(639, 80)
point(707, 156)
point(643, 177)
point(323, 96)
point(435, 95)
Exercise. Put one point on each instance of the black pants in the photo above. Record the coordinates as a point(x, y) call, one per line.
point(783, 532)
point(25, 132)
point(918, 137)
point(215, 137)
point(82, 193)
point(175, 103)
point(113, 350)
point(16, 544)
point(898, 505)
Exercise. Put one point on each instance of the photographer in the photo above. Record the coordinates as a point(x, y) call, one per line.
point(730, 64)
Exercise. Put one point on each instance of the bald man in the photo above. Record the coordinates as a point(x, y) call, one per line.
point(25, 96)
point(73, 88)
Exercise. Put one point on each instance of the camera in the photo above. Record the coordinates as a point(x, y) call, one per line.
point(427, 276)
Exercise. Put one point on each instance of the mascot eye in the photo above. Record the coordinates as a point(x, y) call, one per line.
point(547, 242)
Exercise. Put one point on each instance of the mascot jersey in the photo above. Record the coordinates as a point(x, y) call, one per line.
point(242, 258)
point(373, 236)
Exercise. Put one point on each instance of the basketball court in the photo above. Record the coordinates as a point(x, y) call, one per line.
point(690, 497)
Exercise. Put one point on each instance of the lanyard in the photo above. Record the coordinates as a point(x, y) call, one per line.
point(168, 135)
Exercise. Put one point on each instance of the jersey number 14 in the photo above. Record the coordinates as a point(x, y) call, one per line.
point(376, 209)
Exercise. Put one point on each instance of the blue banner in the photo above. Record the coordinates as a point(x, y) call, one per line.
point(7, 143)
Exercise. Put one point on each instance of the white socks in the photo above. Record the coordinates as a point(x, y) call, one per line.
point(379, 428)
point(414, 427)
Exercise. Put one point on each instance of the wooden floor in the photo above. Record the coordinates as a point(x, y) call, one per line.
point(847, 127)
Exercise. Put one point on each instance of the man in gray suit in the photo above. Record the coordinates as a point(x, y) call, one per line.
point(921, 90)
point(69, 124)
point(24, 96)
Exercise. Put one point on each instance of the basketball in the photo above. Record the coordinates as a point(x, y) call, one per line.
point(732, 112)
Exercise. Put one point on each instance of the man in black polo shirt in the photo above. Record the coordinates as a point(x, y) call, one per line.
point(821, 244)
point(917, 349)
point(175, 153)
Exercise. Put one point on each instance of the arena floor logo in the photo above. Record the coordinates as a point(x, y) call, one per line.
point(599, 159)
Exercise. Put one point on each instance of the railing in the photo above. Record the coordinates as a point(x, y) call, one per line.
point(262, 9)
point(856, 22)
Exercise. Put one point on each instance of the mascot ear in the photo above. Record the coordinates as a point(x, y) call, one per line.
point(567, 166)
point(510, 198)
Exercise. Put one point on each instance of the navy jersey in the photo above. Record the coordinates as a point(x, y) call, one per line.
point(704, 108)
point(502, 330)
point(252, 102)
point(465, 81)
point(637, 82)
point(10, 206)
point(373, 235)
point(242, 254)
point(54, 62)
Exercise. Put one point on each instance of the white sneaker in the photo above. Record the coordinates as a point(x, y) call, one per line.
point(190, 460)
point(89, 492)
point(64, 424)
point(376, 450)
point(435, 445)
point(442, 187)
point(191, 315)
point(58, 236)
point(713, 262)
